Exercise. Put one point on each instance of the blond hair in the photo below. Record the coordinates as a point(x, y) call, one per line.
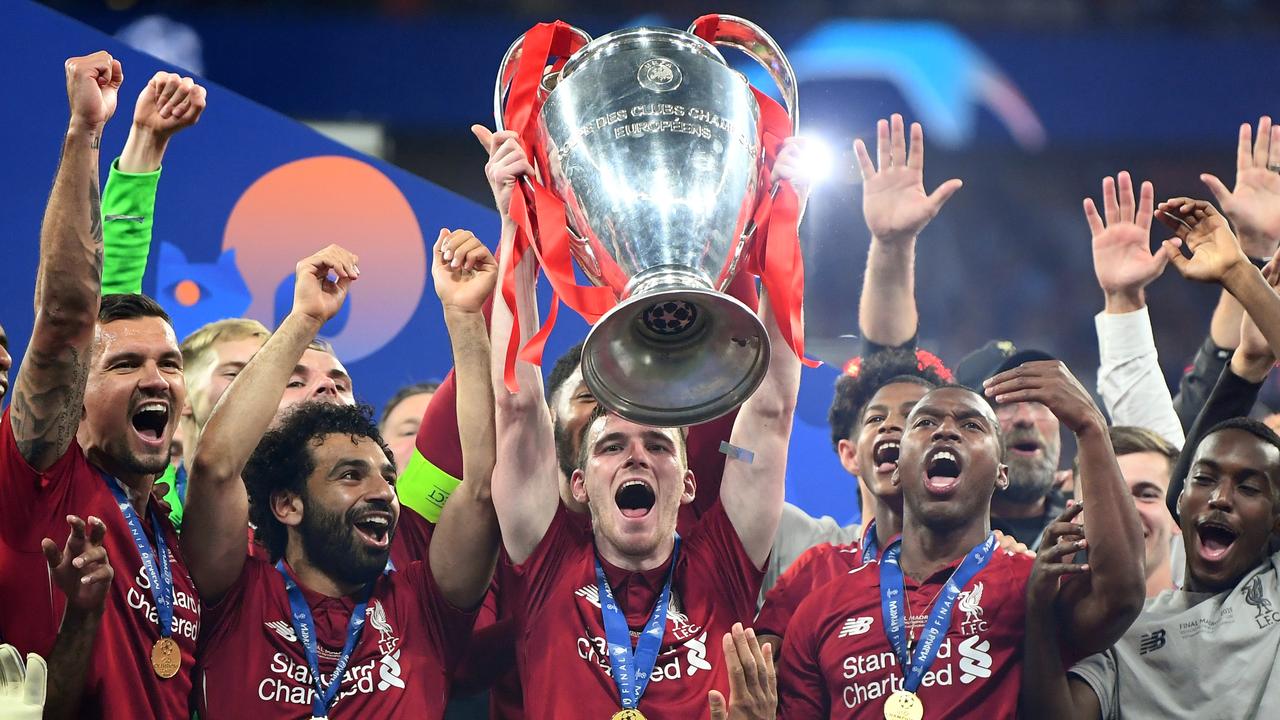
point(197, 348)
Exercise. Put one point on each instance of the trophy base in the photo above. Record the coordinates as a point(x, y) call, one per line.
point(676, 357)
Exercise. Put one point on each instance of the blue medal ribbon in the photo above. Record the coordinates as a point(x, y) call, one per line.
point(155, 562)
point(304, 627)
point(893, 594)
point(870, 546)
point(632, 670)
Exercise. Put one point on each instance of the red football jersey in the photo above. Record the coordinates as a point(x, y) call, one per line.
point(35, 505)
point(412, 540)
point(837, 661)
point(816, 567)
point(253, 666)
point(562, 650)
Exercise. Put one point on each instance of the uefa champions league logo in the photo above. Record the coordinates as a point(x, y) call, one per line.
point(659, 75)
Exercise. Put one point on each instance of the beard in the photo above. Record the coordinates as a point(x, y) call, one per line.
point(331, 544)
point(1030, 479)
point(133, 463)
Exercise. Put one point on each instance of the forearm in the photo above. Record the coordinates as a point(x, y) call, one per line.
point(465, 544)
point(69, 280)
point(1246, 284)
point(143, 150)
point(69, 663)
point(1224, 326)
point(1130, 381)
point(887, 308)
point(1114, 535)
point(128, 207)
point(1045, 692)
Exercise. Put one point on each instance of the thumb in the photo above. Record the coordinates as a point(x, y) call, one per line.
point(484, 135)
point(52, 554)
point(33, 690)
point(1174, 254)
point(944, 192)
point(718, 709)
point(1220, 191)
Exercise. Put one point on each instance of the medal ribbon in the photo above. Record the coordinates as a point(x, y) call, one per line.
point(892, 595)
point(155, 563)
point(632, 670)
point(304, 627)
point(870, 546)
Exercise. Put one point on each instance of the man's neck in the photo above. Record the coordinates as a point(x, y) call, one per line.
point(634, 563)
point(1002, 508)
point(888, 523)
point(1160, 578)
point(927, 550)
point(311, 576)
point(136, 487)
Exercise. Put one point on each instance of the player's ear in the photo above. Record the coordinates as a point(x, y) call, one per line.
point(1002, 477)
point(578, 486)
point(287, 507)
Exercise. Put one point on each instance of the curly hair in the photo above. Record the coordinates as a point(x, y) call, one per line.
point(863, 377)
point(283, 461)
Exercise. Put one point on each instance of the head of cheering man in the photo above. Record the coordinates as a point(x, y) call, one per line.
point(944, 600)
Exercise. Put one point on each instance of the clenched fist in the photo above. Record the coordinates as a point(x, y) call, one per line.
point(93, 82)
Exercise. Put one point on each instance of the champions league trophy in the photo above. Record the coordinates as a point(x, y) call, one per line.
point(652, 143)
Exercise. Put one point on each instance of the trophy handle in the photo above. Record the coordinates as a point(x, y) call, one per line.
point(736, 32)
point(507, 70)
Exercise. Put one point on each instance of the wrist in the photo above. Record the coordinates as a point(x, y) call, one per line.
point(458, 313)
point(1252, 368)
point(1124, 300)
point(143, 151)
point(1094, 426)
point(1239, 274)
point(305, 322)
point(79, 129)
point(899, 242)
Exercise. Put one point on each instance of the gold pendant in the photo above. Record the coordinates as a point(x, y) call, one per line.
point(166, 657)
point(903, 705)
point(628, 714)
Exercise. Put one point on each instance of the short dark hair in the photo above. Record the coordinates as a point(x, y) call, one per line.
point(129, 306)
point(565, 366)
point(988, 401)
point(1128, 439)
point(405, 393)
point(283, 461)
point(1253, 427)
point(863, 378)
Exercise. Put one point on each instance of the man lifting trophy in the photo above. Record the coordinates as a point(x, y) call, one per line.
point(652, 160)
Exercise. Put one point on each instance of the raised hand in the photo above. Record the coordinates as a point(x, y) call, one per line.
point(1215, 251)
point(81, 568)
point(1051, 384)
point(1254, 204)
point(507, 162)
point(1122, 257)
point(753, 681)
point(894, 203)
point(1062, 539)
point(93, 83)
point(322, 282)
point(464, 271)
point(22, 689)
point(168, 104)
point(790, 165)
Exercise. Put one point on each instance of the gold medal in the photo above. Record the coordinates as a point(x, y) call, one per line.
point(903, 705)
point(628, 714)
point(166, 657)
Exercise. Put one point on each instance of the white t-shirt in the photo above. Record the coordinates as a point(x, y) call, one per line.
point(1196, 655)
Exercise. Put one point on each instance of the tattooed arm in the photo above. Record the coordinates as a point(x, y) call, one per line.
point(48, 396)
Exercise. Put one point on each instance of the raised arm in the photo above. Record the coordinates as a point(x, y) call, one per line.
point(464, 546)
point(167, 104)
point(1094, 610)
point(1129, 378)
point(896, 209)
point(754, 480)
point(526, 476)
point(82, 571)
point(48, 395)
point(213, 536)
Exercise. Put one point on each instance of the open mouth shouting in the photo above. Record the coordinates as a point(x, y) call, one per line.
point(1215, 538)
point(1025, 447)
point(150, 420)
point(635, 498)
point(942, 467)
point(885, 454)
point(375, 529)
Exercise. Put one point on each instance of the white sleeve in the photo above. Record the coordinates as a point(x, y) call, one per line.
point(1129, 377)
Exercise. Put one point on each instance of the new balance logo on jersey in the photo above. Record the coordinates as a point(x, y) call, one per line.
point(1150, 642)
point(975, 660)
point(283, 629)
point(855, 626)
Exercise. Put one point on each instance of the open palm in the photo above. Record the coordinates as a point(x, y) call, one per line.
point(1122, 257)
point(1254, 204)
point(1198, 226)
point(894, 202)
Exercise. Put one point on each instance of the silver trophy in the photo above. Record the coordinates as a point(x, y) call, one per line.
point(651, 141)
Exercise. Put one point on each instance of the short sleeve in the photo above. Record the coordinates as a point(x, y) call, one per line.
point(448, 626)
point(32, 501)
point(217, 620)
point(792, 588)
point(535, 578)
point(802, 689)
point(715, 551)
point(1099, 672)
